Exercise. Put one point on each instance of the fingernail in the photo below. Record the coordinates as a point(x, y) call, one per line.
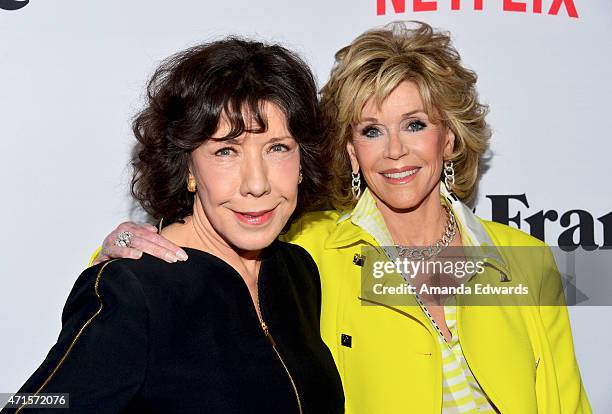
point(170, 258)
point(137, 255)
point(181, 255)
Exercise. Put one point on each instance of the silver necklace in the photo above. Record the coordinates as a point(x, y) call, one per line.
point(426, 253)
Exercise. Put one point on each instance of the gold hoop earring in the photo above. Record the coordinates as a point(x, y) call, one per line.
point(191, 184)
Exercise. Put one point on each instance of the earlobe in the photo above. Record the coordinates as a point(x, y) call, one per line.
point(450, 142)
point(350, 149)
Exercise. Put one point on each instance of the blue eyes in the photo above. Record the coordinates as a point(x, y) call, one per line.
point(224, 152)
point(228, 151)
point(370, 132)
point(374, 132)
point(416, 126)
point(279, 148)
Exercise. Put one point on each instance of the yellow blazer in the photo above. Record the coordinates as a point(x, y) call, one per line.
point(389, 357)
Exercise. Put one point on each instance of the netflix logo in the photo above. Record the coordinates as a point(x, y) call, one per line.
point(552, 7)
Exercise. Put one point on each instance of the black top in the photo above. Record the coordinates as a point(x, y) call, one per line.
point(146, 336)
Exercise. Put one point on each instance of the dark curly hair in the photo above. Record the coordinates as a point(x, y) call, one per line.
point(185, 99)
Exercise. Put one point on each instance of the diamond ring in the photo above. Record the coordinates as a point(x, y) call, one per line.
point(124, 239)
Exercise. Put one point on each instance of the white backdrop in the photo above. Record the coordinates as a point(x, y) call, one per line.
point(72, 74)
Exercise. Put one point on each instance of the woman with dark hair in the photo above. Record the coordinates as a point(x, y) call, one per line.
point(229, 132)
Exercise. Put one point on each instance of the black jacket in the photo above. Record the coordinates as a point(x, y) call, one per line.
point(146, 336)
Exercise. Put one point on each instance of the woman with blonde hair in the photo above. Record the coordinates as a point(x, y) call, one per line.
point(405, 135)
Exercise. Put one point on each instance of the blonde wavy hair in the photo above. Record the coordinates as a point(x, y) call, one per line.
point(372, 66)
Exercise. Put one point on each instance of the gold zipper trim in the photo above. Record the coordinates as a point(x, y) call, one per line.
point(271, 339)
point(85, 325)
point(266, 331)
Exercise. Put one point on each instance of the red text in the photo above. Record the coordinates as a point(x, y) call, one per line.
point(520, 6)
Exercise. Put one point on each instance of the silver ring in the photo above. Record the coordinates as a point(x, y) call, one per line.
point(124, 239)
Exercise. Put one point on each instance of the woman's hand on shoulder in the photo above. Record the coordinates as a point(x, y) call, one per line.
point(144, 239)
